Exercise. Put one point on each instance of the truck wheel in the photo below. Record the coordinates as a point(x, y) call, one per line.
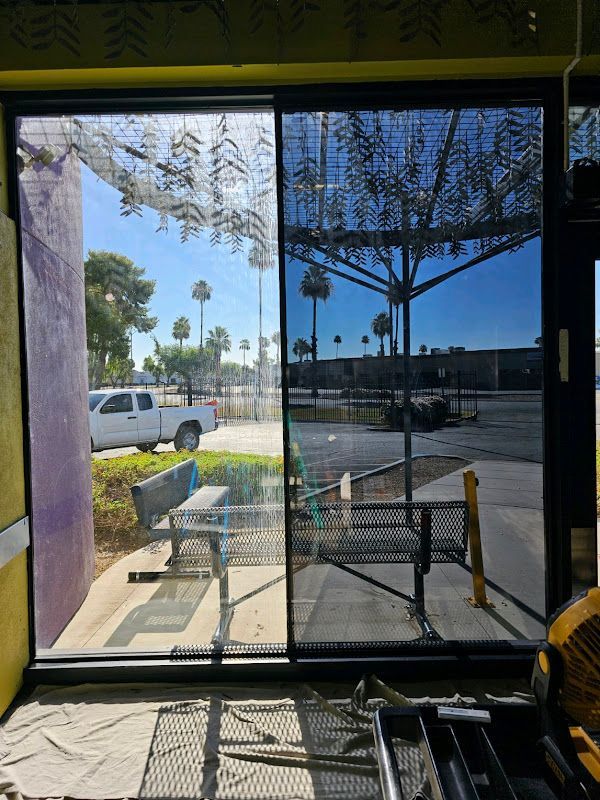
point(145, 447)
point(187, 438)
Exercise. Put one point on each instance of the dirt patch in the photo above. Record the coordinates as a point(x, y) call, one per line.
point(111, 547)
point(390, 484)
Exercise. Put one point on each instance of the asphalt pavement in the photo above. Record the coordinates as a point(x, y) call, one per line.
point(504, 430)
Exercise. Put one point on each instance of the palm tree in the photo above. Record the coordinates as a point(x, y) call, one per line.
point(316, 285)
point(301, 348)
point(202, 292)
point(181, 330)
point(381, 326)
point(261, 258)
point(276, 339)
point(395, 298)
point(244, 347)
point(365, 340)
point(218, 342)
point(337, 340)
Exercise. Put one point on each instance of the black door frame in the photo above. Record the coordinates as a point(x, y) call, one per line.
point(446, 658)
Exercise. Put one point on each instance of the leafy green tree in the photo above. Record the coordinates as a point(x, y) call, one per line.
point(181, 330)
point(117, 296)
point(218, 342)
point(381, 326)
point(365, 340)
point(231, 371)
point(153, 367)
point(315, 285)
point(301, 348)
point(337, 340)
point(174, 360)
point(202, 292)
point(119, 369)
point(423, 349)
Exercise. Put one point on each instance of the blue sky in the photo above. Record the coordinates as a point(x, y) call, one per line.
point(495, 304)
point(175, 266)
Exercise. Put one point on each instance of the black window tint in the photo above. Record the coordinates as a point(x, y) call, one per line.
point(144, 402)
point(94, 400)
point(117, 404)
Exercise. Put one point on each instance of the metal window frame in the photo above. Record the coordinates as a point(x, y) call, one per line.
point(402, 660)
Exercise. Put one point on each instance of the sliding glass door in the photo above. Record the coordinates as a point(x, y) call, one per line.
point(410, 368)
point(415, 355)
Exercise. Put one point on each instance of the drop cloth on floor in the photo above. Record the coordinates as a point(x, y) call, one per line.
point(284, 742)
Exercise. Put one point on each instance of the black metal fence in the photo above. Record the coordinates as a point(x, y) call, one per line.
point(367, 404)
point(459, 393)
point(237, 403)
point(241, 403)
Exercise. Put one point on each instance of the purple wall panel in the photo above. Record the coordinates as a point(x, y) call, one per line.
point(61, 501)
point(50, 197)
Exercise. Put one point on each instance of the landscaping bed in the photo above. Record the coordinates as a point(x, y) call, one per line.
point(389, 485)
point(116, 530)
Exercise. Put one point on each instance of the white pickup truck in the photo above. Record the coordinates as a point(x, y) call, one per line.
point(123, 418)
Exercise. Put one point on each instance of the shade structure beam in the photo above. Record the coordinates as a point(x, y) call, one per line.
point(328, 268)
point(485, 256)
point(372, 239)
point(437, 187)
point(347, 263)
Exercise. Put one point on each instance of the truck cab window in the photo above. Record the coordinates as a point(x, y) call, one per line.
point(118, 404)
point(144, 402)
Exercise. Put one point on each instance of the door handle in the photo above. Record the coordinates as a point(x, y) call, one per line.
point(131, 417)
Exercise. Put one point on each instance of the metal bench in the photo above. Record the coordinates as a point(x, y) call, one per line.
point(340, 534)
point(176, 487)
point(155, 496)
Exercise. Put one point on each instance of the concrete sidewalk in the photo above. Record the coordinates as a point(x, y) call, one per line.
point(330, 605)
point(334, 606)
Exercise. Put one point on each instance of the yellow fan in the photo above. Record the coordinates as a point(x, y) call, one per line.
point(566, 684)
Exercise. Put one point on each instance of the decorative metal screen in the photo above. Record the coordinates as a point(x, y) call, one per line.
point(378, 532)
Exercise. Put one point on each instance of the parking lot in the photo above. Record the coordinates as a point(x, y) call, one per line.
point(506, 429)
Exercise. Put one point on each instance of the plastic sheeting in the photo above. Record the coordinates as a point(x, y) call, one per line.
point(284, 742)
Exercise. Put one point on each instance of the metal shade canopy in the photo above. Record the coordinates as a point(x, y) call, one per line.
point(369, 196)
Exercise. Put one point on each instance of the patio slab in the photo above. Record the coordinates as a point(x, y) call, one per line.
point(330, 605)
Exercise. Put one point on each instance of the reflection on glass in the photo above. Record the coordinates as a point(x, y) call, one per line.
point(149, 241)
point(414, 351)
point(584, 132)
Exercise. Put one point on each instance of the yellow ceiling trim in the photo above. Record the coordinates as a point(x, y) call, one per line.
point(278, 74)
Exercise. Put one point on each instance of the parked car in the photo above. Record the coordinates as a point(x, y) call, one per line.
point(122, 418)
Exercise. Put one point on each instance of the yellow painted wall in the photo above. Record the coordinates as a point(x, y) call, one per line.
point(14, 652)
point(168, 46)
point(198, 55)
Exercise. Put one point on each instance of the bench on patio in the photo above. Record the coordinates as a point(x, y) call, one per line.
point(339, 534)
point(173, 488)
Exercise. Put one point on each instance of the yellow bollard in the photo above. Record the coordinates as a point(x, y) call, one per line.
point(479, 598)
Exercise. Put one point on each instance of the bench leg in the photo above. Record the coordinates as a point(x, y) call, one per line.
point(418, 606)
point(222, 634)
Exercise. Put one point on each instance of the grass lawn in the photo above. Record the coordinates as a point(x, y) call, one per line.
point(116, 530)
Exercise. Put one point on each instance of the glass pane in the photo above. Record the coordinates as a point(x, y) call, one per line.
point(415, 355)
point(150, 270)
point(597, 358)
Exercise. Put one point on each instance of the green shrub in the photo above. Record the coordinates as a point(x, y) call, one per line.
point(426, 412)
point(365, 394)
point(250, 478)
